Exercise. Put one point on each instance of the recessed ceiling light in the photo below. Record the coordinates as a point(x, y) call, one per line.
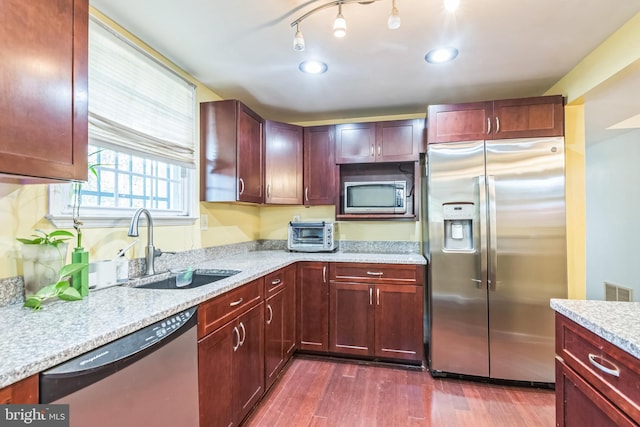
point(441, 54)
point(313, 67)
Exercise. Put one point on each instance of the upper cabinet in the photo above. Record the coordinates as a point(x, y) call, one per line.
point(283, 163)
point(320, 170)
point(43, 112)
point(231, 153)
point(391, 141)
point(509, 118)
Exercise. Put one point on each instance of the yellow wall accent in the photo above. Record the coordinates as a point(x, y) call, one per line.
point(364, 119)
point(620, 50)
point(575, 200)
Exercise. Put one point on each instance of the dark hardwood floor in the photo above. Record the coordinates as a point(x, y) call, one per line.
point(316, 392)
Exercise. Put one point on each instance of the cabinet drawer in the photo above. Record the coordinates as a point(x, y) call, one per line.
point(218, 311)
point(610, 370)
point(274, 282)
point(406, 274)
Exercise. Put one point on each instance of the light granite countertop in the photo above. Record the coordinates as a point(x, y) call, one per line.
point(615, 321)
point(31, 342)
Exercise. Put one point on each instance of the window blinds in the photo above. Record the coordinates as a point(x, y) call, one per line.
point(136, 104)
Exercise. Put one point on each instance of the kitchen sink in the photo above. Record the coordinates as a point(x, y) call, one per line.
point(197, 279)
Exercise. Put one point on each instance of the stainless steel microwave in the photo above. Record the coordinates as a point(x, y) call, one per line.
point(375, 197)
point(312, 236)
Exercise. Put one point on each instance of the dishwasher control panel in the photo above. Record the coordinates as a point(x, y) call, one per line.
point(128, 345)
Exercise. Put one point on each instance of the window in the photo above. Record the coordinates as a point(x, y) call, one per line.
point(141, 137)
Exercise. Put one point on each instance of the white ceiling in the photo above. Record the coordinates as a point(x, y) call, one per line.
point(243, 49)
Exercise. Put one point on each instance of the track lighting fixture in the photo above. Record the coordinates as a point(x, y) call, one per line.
point(340, 24)
point(298, 40)
point(393, 23)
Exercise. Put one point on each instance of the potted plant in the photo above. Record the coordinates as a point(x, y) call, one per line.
point(61, 288)
point(43, 256)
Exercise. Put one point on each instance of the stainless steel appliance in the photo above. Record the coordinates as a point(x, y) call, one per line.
point(375, 197)
point(312, 236)
point(496, 246)
point(149, 377)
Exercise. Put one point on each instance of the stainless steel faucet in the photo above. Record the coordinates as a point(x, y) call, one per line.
point(150, 251)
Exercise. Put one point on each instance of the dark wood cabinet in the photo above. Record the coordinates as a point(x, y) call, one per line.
point(43, 112)
point(279, 321)
point(376, 311)
point(501, 119)
point(231, 153)
point(23, 392)
point(231, 355)
point(392, 141)
point(597, 383)
point(283, 163)
point(320, 170)
point(313, 306)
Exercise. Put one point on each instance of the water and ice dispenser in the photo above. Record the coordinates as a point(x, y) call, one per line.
point(458, 226)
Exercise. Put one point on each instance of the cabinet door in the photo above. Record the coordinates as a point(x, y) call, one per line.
point(289, 326)
point(460, 122)
point(313, 306)
point(399, 140)
point(248, 363)
point(215, 377)
point(355, 143)
point(22, 392)
point(320, 170)
point(528, 117)
point(43, 112)
point(274, 337)
point(249, 157)
point(398, 322)
point(580, 405)
point(351, 318)
point(283, 163)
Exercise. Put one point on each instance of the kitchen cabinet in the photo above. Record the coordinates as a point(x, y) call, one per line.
point(231, 153)
point(22, 392)
point(320, 170)
point(283, 163)
point(376, 311)
point(43, 113)
point(597, 383)
point(501, 119)
point(231, 355)
point(279, 321)
point(391, 141)
point(313, 306)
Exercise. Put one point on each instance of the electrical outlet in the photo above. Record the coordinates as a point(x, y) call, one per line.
point(204, 222)
point(296, 218)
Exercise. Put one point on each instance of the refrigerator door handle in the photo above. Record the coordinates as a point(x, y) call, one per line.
point(493, 233)
point(482, 196)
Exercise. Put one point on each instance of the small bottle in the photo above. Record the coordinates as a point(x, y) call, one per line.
point(122, 268)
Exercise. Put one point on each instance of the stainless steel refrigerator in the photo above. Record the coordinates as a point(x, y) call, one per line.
point(496, 244)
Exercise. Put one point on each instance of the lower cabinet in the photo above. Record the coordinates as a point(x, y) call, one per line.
point(313, 306)
point(597, 383)
point(279, 327)
point(231, 366)
point(376, 320)
point(22, 392)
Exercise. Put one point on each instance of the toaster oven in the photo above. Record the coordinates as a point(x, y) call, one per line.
point(311, 236)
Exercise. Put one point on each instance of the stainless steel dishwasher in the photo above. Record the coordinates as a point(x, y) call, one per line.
point(147, 378)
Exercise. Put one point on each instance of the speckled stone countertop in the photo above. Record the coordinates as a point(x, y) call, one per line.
point(616, 322)
point(31, 342)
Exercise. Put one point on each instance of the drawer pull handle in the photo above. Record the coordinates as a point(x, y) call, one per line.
point(233, 304)
point(375, 273)
point(276, 282)
point(370, 296)
point(270, 310)
point(615, 371)
point(244, 334)
point(324, 274)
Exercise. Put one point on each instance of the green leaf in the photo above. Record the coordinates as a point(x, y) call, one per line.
point(35, 241)
point(33, 302)
point(48, 291)
point(64, 233)
point(70, 294)
point(61, 286)
point(71, 269)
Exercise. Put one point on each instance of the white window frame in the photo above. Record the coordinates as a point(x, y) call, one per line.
point(60, 211)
